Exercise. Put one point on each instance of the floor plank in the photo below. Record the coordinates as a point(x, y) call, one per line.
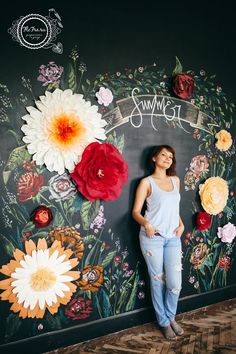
point(207, 330)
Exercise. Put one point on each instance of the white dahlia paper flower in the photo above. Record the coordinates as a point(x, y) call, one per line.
point(60, 128)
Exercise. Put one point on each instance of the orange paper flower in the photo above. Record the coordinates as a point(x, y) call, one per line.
point(39, 279)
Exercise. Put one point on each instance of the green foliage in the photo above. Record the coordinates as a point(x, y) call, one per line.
point(13, 324)
point(72, 77)
point(88, 211)
point(53, 321)
point(178, 67)
point(117, 141)
point(7, 247)
point(16, 158)
point(108, 259)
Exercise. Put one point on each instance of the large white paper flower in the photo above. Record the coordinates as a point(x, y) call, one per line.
point(60, 129)
point(40, 279)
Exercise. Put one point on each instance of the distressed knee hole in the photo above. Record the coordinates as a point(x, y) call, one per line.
point(178, 267)
point(149, 253)
point(175, 291)
point(160, 277)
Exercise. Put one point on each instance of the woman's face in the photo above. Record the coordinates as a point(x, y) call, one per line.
point(164, 159)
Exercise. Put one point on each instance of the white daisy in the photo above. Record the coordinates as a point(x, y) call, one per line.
point(39, 279)
point(60, 128)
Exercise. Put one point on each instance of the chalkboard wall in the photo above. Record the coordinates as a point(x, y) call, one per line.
point(122, 48)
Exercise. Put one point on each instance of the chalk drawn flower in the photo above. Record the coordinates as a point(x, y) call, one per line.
point(199, 164)
point(199, 255)
point(29, 185)
point(79, 309)
point(224, 263)
point(91, 278)
point(61, 187)
point(50, 74)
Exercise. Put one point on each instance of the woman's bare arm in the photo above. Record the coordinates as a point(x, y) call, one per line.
point(142, 192)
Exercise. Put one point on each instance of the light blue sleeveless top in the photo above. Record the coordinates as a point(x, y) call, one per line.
point(163, 208)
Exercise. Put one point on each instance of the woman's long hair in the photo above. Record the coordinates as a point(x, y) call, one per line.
point(156, 151)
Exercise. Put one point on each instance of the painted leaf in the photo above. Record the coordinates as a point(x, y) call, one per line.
point(40, 234)
point(13, 324)
point(132, 298)
point(58, 219)
point(107, 260)
point(72, 82)
point(89, 238)
point(89, 256)
point(88, 212)
point(53, 322)
point(6, 248)
point(105, 303)
point(178, 67)
point(28, 227)
point(16, 158)
point(117, 141)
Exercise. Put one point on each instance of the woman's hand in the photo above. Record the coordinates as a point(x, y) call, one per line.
point(179, 230)
point(150, 230)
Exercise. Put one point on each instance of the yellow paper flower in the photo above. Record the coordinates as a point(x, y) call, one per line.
point(60, 129)
point(224, 140)
point(214, 194)
point(40, 279)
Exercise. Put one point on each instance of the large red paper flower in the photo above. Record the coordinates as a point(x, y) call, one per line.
point(203, 220)
point(101, 173)
point(183, 85)
point(42, 216)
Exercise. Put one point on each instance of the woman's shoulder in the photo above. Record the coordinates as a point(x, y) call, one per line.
point(176, 178)
point(145, 180)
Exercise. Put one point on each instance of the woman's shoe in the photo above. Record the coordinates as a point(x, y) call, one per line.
point(176, 328)
point(168, 332)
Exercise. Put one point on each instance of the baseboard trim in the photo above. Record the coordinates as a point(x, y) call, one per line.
point(84, 332)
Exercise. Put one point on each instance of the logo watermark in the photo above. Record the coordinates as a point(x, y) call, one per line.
point(35, 31)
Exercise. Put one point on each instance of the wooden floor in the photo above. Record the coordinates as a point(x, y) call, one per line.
point(207, 330)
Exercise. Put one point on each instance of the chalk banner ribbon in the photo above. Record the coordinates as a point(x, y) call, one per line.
point(137, 107)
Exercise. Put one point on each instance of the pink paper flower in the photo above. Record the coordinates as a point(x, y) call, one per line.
point(104, 96)
point(227, 233)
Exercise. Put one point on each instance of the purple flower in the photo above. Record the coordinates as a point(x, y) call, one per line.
point(227, 233)
point(50, 74)
point(141, 283)
point(125, 266)
point(99, 220)
point(141, 295)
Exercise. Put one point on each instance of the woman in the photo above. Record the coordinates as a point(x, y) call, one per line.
point(160, 232)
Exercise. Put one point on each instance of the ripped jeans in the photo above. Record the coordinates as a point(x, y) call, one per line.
point(163, 259)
